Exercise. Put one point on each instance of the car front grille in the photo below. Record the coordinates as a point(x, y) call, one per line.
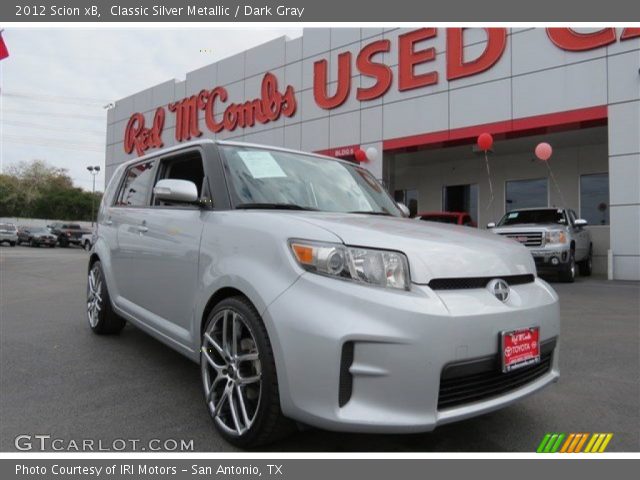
point(463, 283)
point(528, 239)
point(481, 379)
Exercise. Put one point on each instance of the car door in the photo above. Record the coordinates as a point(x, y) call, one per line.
point(126, 219)
point(581, 237)
point(168, 264)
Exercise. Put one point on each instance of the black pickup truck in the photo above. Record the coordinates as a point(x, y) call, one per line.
point(68, 233)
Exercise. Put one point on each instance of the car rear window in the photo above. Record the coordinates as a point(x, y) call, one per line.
point(73, 226)
point(440, 218)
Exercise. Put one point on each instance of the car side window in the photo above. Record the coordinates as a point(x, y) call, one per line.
point(185, 166)
point(135, 186)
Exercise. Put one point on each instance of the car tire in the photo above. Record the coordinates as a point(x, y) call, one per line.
point(568, 273)
point(102, 319)
point(64, 243)
point(12, 244)
point(53, 245)
point(32, 243)
point(242, 397)
point(87, 245)
point(586, 266)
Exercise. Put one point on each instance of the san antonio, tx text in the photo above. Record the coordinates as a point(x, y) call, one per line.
point(144, 469)
point(210, 11)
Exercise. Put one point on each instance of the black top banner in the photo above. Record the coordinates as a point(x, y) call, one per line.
point(319, 11)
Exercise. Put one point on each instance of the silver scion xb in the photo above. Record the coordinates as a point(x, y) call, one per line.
point(305, 295)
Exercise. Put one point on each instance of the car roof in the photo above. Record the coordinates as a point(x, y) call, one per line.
point(534, 208)
point(208, 141)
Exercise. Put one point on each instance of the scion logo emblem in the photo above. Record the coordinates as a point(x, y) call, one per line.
point(499, 288)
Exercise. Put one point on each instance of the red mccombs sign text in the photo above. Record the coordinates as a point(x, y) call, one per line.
point(220, 114)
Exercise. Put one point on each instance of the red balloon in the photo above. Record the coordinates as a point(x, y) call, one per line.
point(361, 155)
point(485, 141)
point(543, 151)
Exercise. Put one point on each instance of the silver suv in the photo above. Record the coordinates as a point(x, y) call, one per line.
point(304, 294)
point(557, 239)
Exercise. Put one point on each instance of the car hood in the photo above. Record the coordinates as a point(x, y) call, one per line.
point(529, 227)
point(434, 250)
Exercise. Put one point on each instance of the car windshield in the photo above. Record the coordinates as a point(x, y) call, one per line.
point(533, 216)
point(440, 218)
point(7, 226)
point(263, 178)
point(38, 230)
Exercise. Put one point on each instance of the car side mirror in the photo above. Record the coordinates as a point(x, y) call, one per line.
point(491, 225)
point(580, 222)
point(176, 191)
point(404, 209)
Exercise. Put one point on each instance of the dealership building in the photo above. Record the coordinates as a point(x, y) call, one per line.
point(416, 100)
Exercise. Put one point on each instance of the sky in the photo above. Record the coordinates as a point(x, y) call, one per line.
point(56, 82)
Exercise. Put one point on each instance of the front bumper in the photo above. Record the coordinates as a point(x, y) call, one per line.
point(8, 237)
point(400, 344)
point(551, 258)
point(46, 241)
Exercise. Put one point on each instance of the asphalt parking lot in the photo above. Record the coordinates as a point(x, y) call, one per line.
point(58, 378)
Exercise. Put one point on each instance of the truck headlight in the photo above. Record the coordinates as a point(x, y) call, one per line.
point(384, 268)
point(556, 236)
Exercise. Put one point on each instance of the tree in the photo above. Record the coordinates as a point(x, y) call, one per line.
point(38, 190)
point(11, 197)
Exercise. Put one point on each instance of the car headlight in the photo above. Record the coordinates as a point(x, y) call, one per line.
point(556, 236)
point(384, 268)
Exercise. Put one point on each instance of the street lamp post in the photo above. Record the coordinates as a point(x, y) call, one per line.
point(93, 170)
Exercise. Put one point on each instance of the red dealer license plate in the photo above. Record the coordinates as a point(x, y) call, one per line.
point(520, 348)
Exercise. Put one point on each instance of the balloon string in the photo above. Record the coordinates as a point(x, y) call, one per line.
point(486, 161)
point(553, 179)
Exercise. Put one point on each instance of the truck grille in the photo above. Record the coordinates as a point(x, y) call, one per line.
point(528, 239)
point(481, 379)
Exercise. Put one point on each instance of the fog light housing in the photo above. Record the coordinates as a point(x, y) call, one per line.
point(554, 261)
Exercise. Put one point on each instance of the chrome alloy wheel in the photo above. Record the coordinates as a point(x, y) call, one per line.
point(94, 296)
point(231, 372)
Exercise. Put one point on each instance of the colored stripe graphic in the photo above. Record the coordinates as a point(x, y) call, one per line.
point(551, 443)
point(574, 442)
point(598, 443)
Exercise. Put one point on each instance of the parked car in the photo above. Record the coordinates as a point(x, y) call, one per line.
point(36, 236)
point(557, 239)
point(455, 218)
point(8, 234)
point(68, 233)
point(86, 241)
point(304, 294)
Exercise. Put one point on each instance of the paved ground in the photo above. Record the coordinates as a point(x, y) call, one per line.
point(57, 378)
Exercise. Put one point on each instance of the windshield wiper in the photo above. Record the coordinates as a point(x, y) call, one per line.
point(366, 212)
point(273, 206)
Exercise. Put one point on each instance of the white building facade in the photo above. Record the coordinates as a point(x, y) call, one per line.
point(421, 97)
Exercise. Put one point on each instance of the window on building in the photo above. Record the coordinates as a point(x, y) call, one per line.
point(409, 197)
point(594, 198)
point(135, 188)
point(461, 198)
point(526, 194)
